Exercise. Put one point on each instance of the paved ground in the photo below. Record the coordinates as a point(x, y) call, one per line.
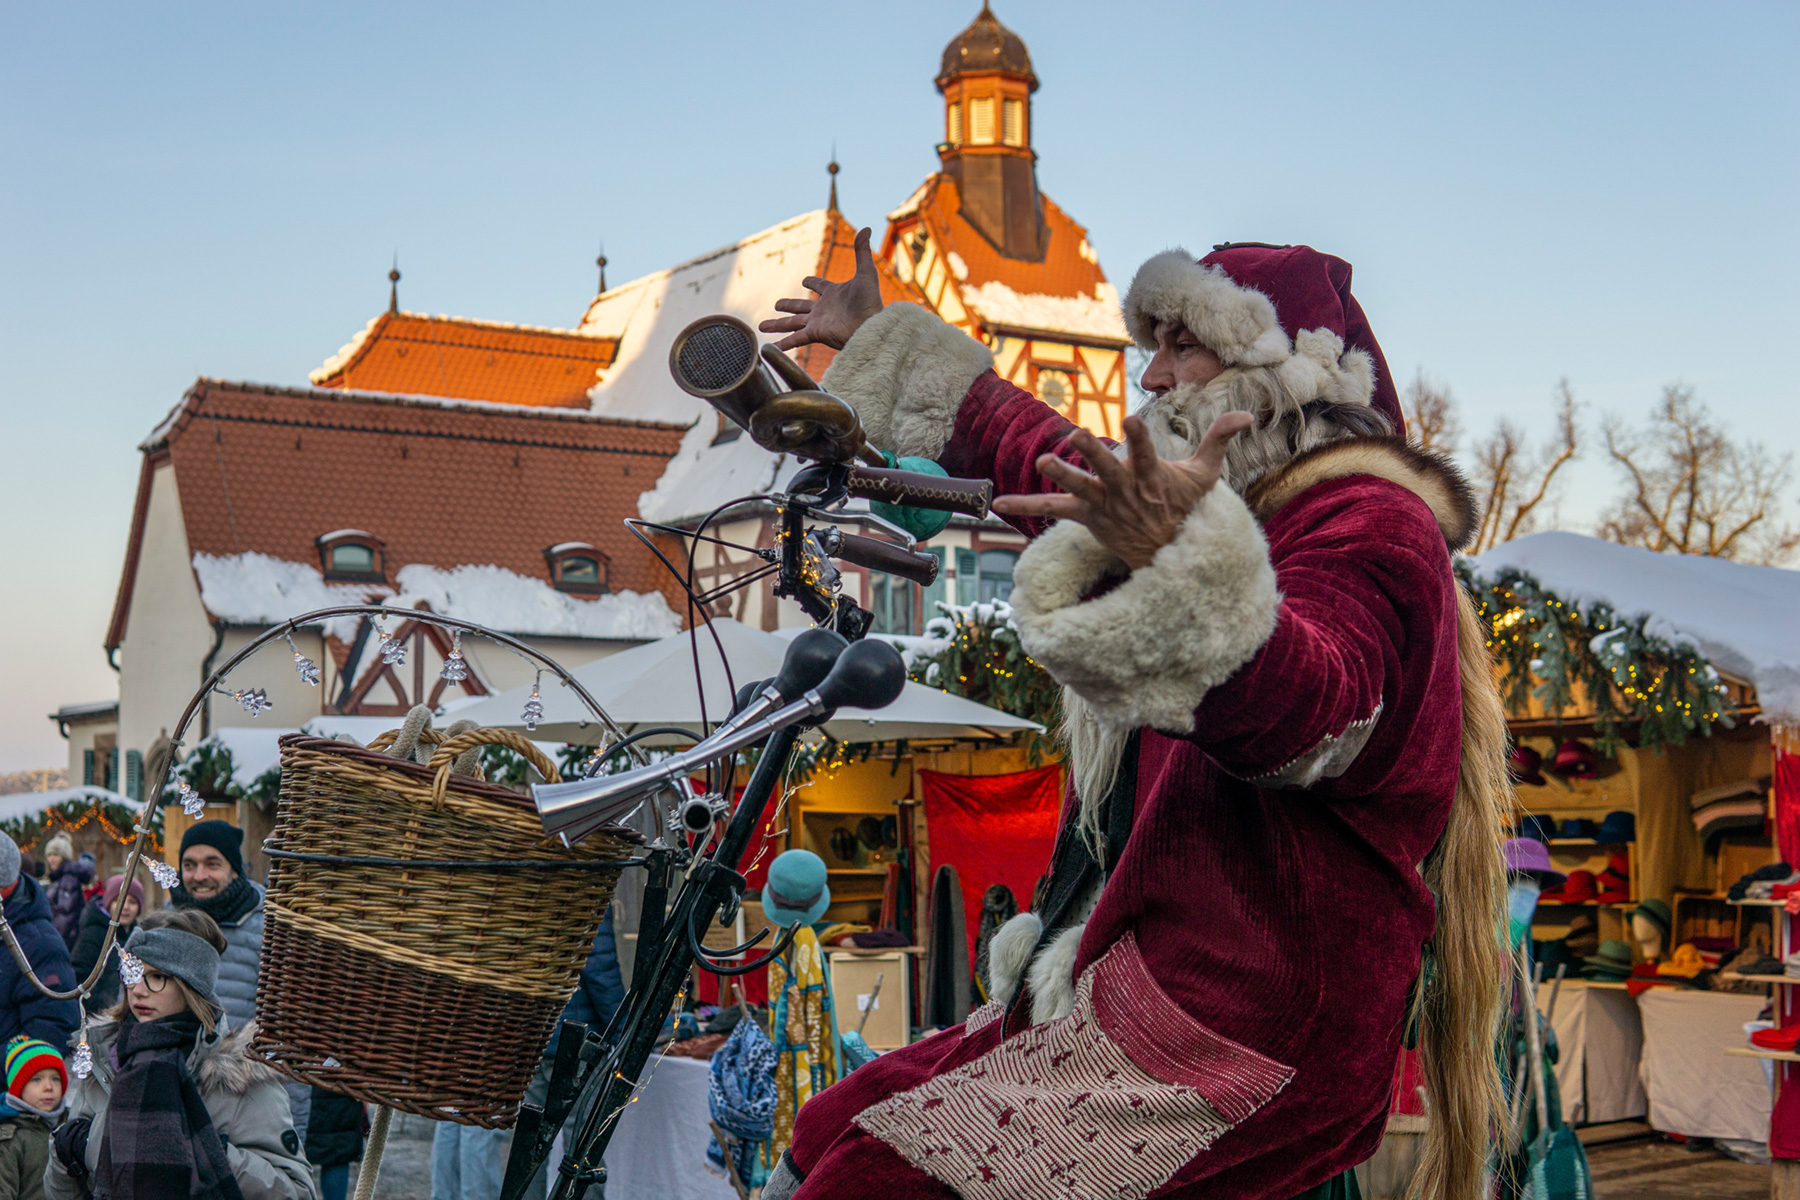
point(1646, 1169)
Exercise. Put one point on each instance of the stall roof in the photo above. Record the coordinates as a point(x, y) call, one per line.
point(1744, 618)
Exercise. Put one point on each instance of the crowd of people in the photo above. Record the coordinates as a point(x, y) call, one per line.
point(175, 1102)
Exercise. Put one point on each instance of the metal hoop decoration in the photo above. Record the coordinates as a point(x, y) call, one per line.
point(274, 633)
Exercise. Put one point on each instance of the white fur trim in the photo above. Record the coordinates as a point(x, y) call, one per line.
point(1240, 325)
point(1053, 976)
point(906, 373)
point(1009, 952)
point(1148, 651)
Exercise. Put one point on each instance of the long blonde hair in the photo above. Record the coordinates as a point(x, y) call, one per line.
point(1460, 1002)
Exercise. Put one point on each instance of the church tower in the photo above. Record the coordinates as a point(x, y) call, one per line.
point(986, 80)
point(985, 249)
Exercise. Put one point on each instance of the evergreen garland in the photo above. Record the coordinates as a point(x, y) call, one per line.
point(208, 770)
point(974, 651)
point(1546, 646)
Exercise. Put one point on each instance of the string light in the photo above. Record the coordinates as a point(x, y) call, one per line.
point(456, 668)
point(534, 704)
point(393, 649)
point(309, 670)
point(131, 968)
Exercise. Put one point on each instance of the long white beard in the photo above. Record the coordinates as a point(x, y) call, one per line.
point(1177, 420)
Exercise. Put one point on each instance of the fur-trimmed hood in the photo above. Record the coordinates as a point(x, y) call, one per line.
point(227, 1063)
point(1427, 474)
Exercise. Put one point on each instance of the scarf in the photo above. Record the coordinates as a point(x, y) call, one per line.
point(742, 1100)
point(160, 1143)
point(229, 907)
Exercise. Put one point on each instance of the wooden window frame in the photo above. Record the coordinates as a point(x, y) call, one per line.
point(556, 555)
point(329, 542)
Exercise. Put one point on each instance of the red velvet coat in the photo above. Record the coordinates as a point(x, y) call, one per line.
point(1242, 982)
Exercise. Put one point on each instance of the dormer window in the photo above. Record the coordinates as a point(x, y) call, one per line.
point(578, 567)
point(352, 555)
point(981, 121)
point(955, 124)
point(1012, 123)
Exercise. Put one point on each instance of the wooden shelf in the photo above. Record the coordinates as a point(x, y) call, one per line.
point(1601, 983)
point(1758, 1052)
point(1785, 980)
point(1758, 903)
point(1583, 842)
point(1586, 903)
point(856, 871)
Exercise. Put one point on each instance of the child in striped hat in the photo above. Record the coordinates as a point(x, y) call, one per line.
point(35, 1081)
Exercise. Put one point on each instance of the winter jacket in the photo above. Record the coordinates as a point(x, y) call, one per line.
point(600, 990)
point(237, 985)
point(64, 890)
point(94, 920)
point(24, 1151)
point(1225, 1023)
point(334, 1129)
point(243, 1096)
point(24, 1009)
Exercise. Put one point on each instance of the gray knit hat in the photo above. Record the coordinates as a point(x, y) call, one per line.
point(174, 952)
point(9, 861)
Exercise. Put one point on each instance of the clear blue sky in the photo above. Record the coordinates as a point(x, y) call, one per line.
point(1603, 191)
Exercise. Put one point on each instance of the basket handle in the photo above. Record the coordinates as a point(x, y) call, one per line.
point(382, 741)
point(448, 752)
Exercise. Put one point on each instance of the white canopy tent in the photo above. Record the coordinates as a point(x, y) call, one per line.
point(653, 684)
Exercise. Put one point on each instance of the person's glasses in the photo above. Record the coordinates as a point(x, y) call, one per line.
point(155, 980)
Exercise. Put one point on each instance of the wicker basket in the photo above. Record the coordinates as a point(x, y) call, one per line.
point(433, 990)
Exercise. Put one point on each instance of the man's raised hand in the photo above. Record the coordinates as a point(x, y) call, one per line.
point(839, 311)
point(1134, 507)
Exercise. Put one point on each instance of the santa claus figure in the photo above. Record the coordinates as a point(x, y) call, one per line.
point(1281, 847)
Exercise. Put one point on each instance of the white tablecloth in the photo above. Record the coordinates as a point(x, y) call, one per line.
point(1694, 1086)
point(659, 1149)
point(1599, 1037)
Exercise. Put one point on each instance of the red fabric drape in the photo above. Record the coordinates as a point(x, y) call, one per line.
point(992, 829)
point(765, 844)
point(1787, 805)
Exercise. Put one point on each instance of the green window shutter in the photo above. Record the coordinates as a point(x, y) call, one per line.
point(134, 774)
point(112, 772)
point(968, 577)
point(87, 766)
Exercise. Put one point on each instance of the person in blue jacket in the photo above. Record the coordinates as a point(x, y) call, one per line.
point(24, 1009)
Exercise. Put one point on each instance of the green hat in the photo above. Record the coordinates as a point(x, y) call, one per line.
point(1612, 962)
point(1658, 914)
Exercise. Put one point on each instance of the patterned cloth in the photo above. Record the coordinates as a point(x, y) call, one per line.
point(160, 1143)
point(742, 1099)
point(805, 1033)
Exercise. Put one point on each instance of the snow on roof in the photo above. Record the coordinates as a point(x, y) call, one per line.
point(253, 749)
point(1096, 316)
point(20, 805)
point(1741, 616)
point(347, 351)
point(743, 279)
point(911, 204)
point(257, 589)
point(91, 709)
point(512, 603)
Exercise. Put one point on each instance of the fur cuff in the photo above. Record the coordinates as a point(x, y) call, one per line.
point(1240, 325)
point(905, 372)
point(1148, 651)
point(1053, 977)
point(1009, 953)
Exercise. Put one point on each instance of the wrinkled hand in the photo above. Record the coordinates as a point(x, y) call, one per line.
point(839, 311)
point(1133, 507)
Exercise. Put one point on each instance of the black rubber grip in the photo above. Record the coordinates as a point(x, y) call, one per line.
point(921, 569)
point(967, 496)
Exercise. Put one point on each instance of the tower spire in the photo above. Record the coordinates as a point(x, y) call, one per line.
point(601, 263)
point(831, 205)
point(394, 285)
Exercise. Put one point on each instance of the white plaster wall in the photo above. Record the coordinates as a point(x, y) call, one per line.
point(166, 632)
point(81, 738)
point(272, 669)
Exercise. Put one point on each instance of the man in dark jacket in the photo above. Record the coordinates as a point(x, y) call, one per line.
point(96, 918)
point(24, 1009)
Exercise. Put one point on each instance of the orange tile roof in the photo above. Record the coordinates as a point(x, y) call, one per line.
point(837, 261)
point(1070, 267)
point(271, 469)
point(416, 355)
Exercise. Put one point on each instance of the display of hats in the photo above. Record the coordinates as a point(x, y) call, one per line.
point(1525, 765)
point(1538, 827)
point(1657, 913)
point(1685, 963)
point(1610, 964)
point(1583, 938)
point(890, 831)
point(1577, 829)
point(1528, 856)
point(1777, 1039)
point(1618, 828)
point(1732, 807)
point(868, 832)
point(1575, 760)
point(843, 844)
point(1615, 882)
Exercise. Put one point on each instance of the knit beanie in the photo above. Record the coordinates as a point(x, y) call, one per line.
point(222, 836)
point(9, 861)
point(175, 952)
point(25, 1057)
point(112, 892)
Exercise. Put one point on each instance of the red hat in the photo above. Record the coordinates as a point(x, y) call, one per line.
point(1524, 765)
point(1581, 886)
point(1576, 760)
point(1255, 305)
